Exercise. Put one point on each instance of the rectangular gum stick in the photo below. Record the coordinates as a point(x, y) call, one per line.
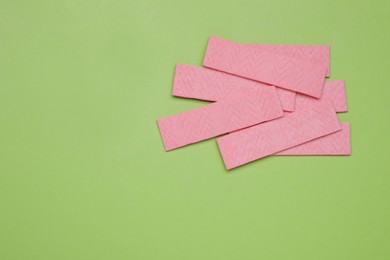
point(212, 85)
point(275, 136)
point(334, 92)
point(219, 118)
point(338, 143)
point(267, 67)
point(319, 54)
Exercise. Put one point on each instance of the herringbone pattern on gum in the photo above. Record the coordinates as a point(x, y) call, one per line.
point(272, 137)
point(271, 68)
point(219, 118)
point(211, 85)
point(338, 143)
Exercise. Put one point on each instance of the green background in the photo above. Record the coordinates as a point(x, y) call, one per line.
point(83, 172)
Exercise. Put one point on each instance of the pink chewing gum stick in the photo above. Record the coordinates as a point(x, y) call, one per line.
point(275, 136)
point(338, 143)
point(212, 85)
point(219, 118)
point(319, 54)
point(334, 92)
point(267, 67)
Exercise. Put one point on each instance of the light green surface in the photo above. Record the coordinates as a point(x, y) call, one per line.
point(83, 173)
